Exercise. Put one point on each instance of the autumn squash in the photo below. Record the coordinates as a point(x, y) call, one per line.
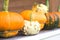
point(31, 27)
point(52, 20)
point(10, 22)
point(58, 14)
point(37, 14)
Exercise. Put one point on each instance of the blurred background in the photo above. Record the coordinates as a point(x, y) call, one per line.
point(19, 5)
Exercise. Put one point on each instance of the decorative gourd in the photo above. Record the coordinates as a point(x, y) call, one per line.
point(31, 27)
point(58, 14)
point(10, 22)
point(53, 19)
point(37, 14)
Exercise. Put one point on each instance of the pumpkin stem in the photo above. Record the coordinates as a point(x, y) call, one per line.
point(30, 17)
point(47, 3)
point(58, 8)
point(35, 3)
point(34, 6)
point(5, 5)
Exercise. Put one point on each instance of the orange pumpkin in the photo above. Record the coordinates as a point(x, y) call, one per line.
point(35, 16)
point(11, 21)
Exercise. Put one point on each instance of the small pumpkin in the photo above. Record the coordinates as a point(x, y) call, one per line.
point(10, 22)
point(53, 19)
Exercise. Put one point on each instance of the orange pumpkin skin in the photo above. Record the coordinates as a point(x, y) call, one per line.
point(26, 14)
point(35, 16)
point(53, 20)
point(10, 21)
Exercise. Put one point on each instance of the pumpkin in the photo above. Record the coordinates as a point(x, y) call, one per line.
point(52, 20)
point(10, 22)
point(37, 14)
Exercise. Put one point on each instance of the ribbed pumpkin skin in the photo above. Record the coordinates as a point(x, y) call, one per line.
point(58, 13)
point(10, 21)
point(52, 20)
point(26, 14)
point(40, 17)
point(35, 16)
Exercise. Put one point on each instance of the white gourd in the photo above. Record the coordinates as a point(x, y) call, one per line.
point(31, 27)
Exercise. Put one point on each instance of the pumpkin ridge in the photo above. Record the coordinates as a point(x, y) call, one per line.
point(8, 20)
point(56, 21)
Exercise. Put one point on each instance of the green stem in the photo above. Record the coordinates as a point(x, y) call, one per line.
point(47, 3)
point(35, 3)
point(30, 17)
point(58, 8)
point(5, 5)
point(34, 6)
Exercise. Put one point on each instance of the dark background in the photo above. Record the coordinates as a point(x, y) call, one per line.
point(19, 5)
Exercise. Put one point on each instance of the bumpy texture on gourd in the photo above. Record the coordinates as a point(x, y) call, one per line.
point(43, 8)
point(31, 28)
